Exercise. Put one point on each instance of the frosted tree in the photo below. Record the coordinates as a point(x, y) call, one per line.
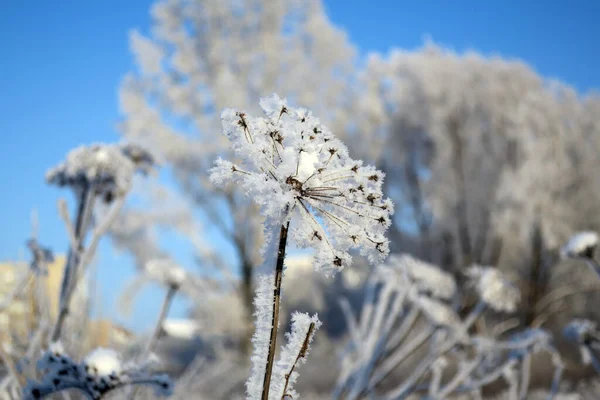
point(203, 56)
point(308, 189)
point(487, 161)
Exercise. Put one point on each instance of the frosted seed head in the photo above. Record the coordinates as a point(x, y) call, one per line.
point(581, 244)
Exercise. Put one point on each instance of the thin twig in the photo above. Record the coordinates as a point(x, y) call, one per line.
point(301, 354)
point(276, 299)
point(80, 268)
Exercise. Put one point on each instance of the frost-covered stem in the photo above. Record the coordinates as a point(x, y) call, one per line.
point(513, 387)
point(407, 324)
point(84, 211)
point(151, 345)
point(390, 364)
point(276, 298)
point(460, 376)
point(558, 371)
point(424, 366)
point(489, 378)
point(83, 262)
point(301, 354)
point(593, 264)
point(436, 379)
point(473, 315)
point(525, 376)
point(373, 344)
point(164, 311)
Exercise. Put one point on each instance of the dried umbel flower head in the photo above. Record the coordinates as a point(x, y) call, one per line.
point(166, 272)
point(497, 292)
point(101, 372)
point(295, 169)
point(426, 277)
point(580, 245)
point(106, 168)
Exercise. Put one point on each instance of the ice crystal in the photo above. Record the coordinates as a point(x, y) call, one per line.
point(294, 168)
point(263, 314)
point(293, 354)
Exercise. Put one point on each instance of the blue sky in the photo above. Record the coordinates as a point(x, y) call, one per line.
point(62, 62)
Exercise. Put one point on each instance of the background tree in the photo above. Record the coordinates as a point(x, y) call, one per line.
point(204, 56)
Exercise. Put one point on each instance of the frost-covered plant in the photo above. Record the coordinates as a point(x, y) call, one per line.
point(99, 171)
point(386, 334)
point(582, 246)
point(585, 334)
point(175, 279)
point(301, 175)
point(296, 170)
point(426, 277)
point(292, 355)
point(493, 288)
point(101, 372)
point(390, 330)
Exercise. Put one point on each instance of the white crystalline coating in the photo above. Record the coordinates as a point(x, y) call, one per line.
point(104, 165)
point(293, 354)
point(494, 289)
point(438, 313)
point(263, 314)
point(166, 272)
point(181, 328)
point(108, 167)
point(579, 244)
point(99, 373)
point(57, 348)
point(295, 169)
point(427, 277)
point(104, 362)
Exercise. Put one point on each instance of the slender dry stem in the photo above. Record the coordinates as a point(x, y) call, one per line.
point(276, 298)
point(301, 354)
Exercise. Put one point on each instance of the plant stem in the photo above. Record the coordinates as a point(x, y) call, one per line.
point(84, 211)
point(164, 311)
point(301, 354)
point(276, 298)
point(151, 345)
point(85, 204)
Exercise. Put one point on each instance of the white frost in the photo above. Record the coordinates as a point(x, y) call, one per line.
point(295, 169)
point(494, 289)
point(581, 244)
point(104, 362)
